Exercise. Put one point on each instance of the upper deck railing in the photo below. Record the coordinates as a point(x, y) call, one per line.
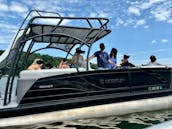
point(40, 25)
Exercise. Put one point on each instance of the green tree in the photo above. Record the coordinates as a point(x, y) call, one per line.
point(54, 61)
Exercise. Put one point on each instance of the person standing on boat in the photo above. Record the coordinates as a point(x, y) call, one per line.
point(125, 62)
point(36, 65)
point(77, 59)
point(113, 58)
point(103, 59)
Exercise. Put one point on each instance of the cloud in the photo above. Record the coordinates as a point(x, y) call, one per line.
point(53, 21)
point(74, 1)
point(150, 3)
point(6, 27)
point(17, 7)
point(4, 7)
point(169, 20)
point(161, 41)
point(146, 27)
point(164, 40)
point(93, 14)
point(148, 9)
point(103, 14)
point(13, 6)
point(161, 14)
point(5, 40)
point(71, 15)
point(129, 21)
point(154, 10)
point(154, 42)
point(160, 50)
point(119, 21)
point(140, 22)
point(44, 5)
point(134, 10)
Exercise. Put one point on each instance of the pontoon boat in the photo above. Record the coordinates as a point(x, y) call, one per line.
point(73, 93)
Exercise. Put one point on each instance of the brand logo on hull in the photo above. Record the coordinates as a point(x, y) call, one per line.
point(112, 81)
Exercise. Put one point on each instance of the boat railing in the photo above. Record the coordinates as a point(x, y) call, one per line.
point(90, 22)
point(91, 34)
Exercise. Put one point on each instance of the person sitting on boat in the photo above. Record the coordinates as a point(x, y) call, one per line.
point(63, 64)
point(103, 59)
point(77, 59)
point(36, 65)
point(113, 55)
point(125, 62)
point(48, 66)
point(153, 62)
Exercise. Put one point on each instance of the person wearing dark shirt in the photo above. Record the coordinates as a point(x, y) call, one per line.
point(125, 62)
point(103, 59)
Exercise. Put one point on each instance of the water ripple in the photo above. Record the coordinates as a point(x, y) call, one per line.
point(130, 121)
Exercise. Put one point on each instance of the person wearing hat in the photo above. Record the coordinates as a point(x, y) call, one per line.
point(125, 62)
point(103, 59)
point(77, 59)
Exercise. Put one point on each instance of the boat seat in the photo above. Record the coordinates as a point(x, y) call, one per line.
point(36, 74)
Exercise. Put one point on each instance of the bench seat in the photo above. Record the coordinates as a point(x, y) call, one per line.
point(36, 74)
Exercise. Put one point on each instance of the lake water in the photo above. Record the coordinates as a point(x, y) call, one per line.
point(129, 121)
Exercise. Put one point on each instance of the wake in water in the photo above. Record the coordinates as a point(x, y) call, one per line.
point(130, 121)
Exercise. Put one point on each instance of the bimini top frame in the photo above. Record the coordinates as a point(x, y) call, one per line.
point(55, 31)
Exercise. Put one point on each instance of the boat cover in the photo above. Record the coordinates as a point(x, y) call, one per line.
point(60, 37)
point(65, 37)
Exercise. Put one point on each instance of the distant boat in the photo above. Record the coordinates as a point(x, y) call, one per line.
point(74, 93)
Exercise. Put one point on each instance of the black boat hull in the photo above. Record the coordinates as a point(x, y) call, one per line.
point(91, 88)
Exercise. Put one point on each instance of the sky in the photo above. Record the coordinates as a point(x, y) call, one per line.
point(140, 28)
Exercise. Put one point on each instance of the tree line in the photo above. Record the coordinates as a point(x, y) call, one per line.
point(54, 61)
point(47, 59)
